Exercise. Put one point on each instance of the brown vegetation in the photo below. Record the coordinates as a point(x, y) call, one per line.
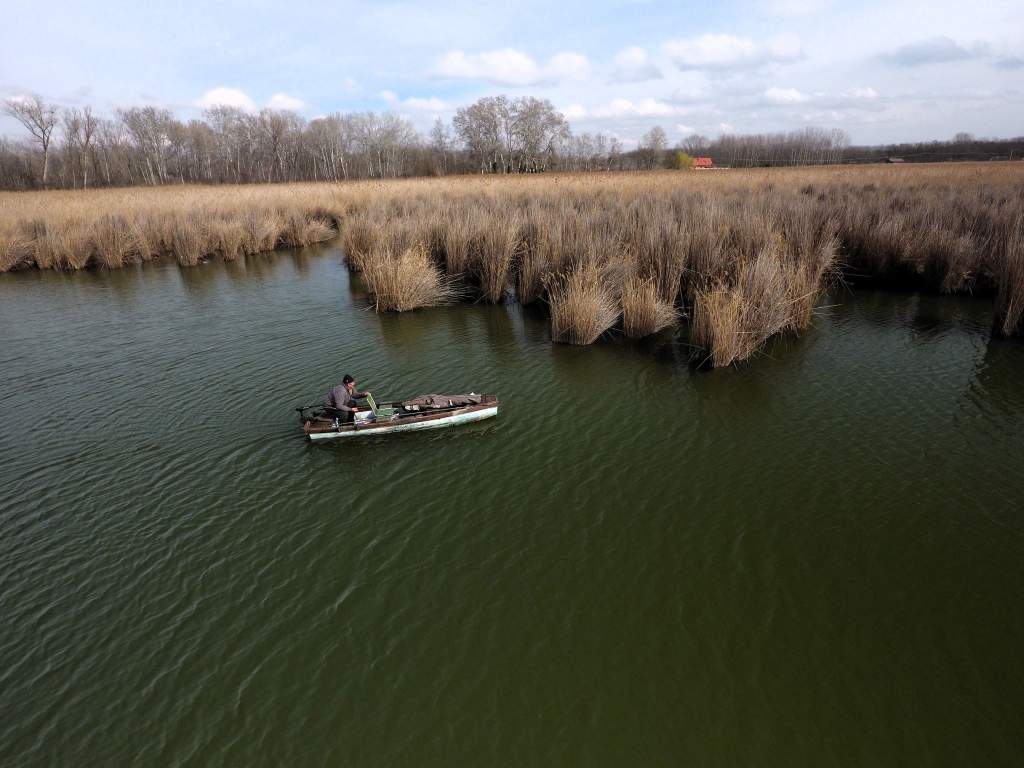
point(746, 253)
point(644, 311)
point(582, 304)
point(400, 281)
point(1009, 317)
point(111, 228)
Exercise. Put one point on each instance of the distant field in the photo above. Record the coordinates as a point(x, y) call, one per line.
point(743, 254)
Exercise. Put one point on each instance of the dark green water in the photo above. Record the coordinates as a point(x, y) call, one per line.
point(814, 560)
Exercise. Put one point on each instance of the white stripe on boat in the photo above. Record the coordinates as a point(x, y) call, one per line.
point(389, 427)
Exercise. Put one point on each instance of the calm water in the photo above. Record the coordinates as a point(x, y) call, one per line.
point(814, 560)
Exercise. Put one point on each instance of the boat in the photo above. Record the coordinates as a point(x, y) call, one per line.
point(424, 412)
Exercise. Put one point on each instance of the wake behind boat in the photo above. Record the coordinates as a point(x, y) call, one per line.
point(424, 412)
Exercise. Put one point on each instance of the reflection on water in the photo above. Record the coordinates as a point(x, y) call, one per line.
point(812, 559)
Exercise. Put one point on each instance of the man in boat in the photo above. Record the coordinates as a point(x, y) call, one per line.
point(341, 401)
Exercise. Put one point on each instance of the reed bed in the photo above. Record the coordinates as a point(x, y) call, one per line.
point(583, 305)
point(644, 310)
point(744, 254)
point(111, 228)
point(400, 281)
point(1009, 317)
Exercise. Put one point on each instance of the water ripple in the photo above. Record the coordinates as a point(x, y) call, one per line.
point(634, 561)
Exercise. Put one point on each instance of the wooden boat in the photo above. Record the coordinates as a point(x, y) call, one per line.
point(394, 417)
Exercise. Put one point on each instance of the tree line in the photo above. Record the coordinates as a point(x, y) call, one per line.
point(75, 148)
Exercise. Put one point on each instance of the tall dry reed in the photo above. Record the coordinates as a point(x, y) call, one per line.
point(495, 247)
point(583, 305)
point(644, 311)
point(1009, 316)
point(732, 246)
point(406, 280)
point(731, 322)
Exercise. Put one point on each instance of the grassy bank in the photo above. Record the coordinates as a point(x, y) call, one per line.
point(111, 228)
point(743, 255)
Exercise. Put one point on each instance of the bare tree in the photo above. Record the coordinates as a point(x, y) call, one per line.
point(614, 153)
point(73, 148)
point(151, 130)
point(441, 144)
point(537, 129)
point(652, 147)
point(80, 127)
point(480, 127)
point(695, 145)
point(511, 136)
point(277, 133)
point(39, 119)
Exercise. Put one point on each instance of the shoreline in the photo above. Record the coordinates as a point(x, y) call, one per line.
point(741, 256)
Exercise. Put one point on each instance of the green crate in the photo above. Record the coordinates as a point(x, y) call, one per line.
point(380, 413)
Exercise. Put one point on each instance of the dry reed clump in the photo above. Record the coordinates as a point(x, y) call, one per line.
point(260, 229)
point(112, 241)
point(457, 229)
point(582, 304)
point(731, 322)
point(62, 245)
point(554, 234)
point(644, 311)
point(493, 250)
point(654, 237)
point(401, 281)
point(151, 236)
point(189, 240)
point(1009, 316)
point(706, 232)
point(358, 235)
point(809, 244)
point(533, 262)
point(227, 238)
point(302, 229)
point(15, 251)
point(110, 228)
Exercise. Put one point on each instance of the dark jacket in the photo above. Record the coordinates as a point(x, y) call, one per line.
point(340, 399)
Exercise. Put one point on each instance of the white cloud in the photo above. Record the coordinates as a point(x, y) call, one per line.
point(574, 112)
point(726, 128)
point(685, 130)
point(784, 96)
point(223, 96)
point(1009, 62)
point(825, 116)
point(642, 108)
point(857, 98)
point(631, 66)
point(350, 83)
point(692, 86)
point(568, 66)
point(723, 52)
point(430, 104)
point(507, 66)
point(867, 92)
point(286, 102)
point(934, 50)
point(794, 8)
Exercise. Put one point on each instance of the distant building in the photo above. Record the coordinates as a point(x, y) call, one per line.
point(703, 163)
point(893, 160)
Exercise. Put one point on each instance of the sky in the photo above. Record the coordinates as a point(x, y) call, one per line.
point(884, 71)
